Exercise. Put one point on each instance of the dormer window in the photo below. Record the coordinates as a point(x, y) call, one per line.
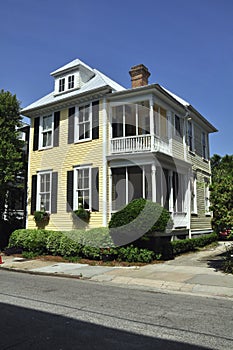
point(70, 81)
point(61, 84)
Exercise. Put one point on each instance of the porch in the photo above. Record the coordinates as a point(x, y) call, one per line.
point(139, 143)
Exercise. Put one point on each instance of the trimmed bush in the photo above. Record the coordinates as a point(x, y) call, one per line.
point(138, 218)
point(77, 243)
point(187, 245)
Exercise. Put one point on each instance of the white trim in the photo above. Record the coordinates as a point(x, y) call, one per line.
point(41, 131)
point(194, 176)
point(153, 181)
point(75, 187)
point(104, 166)
point(38, 198)
point(76, 122)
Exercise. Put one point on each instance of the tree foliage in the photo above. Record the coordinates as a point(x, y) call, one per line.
point(221, 195)
point(10, 145)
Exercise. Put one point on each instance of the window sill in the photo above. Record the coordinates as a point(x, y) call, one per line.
point(194, 214)
point(44, 148)
point(207, 214)
point(205, 160)
point(82, 141)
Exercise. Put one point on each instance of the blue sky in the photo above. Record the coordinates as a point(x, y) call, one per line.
point(187, 46)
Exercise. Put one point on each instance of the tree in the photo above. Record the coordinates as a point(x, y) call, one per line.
point(221, 195)
point(10, 145)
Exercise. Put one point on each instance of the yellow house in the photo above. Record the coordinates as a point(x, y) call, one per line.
point(96, 144)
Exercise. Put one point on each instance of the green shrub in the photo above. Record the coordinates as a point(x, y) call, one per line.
point(187, 245)
point(134, 254)
point(83, 214)
point(138, 218)
point(96, 237)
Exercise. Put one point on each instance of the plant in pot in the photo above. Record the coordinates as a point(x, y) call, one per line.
point(41, 218)
point(82, 213)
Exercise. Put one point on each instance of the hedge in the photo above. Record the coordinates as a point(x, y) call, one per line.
point(83, 244)
point(187, 245)
point(79, 243)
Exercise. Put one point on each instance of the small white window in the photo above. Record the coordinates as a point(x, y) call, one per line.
point(61, 84)
point(44, 191)
point(83, 123)
point(46, 131)
point(82, 188)
point(70, 81)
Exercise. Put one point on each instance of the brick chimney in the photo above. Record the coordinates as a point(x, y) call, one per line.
point(139, 75)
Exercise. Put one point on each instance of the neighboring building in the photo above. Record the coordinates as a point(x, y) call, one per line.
point(16, 199)
point(96, 143)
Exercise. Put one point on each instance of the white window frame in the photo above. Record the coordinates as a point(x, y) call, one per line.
point(39, 193)
point(194, 194)
point(180, 194)
point(70, 81)
point(76, 189)
point(192, 146)
point(137, 104)
point(77, 109)
point(42, 132)
point(61, 83)
point(207, 196)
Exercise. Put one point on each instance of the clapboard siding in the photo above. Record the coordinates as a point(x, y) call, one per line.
point(62, 159)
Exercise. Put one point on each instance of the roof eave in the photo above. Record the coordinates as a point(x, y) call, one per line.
point(68, 100)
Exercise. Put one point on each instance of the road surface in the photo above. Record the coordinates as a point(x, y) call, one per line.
point(42, 312)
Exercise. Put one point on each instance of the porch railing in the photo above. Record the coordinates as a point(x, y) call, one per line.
point(139, 143)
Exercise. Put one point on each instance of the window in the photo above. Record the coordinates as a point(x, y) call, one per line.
point(44, 191)
point(206, 196)
point(46, 131)
point(70, 81)
point(177, 126)
point(193, 190)
point(190, 136)
point(178, 192)
point(129, 183)
point(61, 84)
point(131, 119)
point(83, 130)
point(82, 186)
point(204, 149)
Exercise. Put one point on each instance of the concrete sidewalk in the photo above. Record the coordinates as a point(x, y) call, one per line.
point(190, 273)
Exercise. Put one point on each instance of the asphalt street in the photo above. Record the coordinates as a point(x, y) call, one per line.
point(42, 312)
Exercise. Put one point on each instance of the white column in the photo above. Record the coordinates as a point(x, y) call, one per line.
point(152, 126)
point(104, 166)
point(110, 192)
point(153, 174)
point(188, 201)
point(184, 138)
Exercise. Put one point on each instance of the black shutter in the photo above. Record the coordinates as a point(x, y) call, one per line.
point(95, 120)
point(69, 193)
point(36, 133)
point(54, 193)
point(71, 125)
point(56, 129)
point(33, 193)
point(95, 189)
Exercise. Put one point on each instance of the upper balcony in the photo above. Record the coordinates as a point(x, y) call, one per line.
point(139, 143)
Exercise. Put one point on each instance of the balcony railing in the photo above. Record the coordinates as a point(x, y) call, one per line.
point(139, 143)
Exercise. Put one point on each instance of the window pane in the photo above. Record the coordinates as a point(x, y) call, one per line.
point(42, 183)
point(117, 121)
point(118, 188)
point(47, 189)
point(87, 130)
point(47, 122)
point(81, 131)
point(130, 120)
